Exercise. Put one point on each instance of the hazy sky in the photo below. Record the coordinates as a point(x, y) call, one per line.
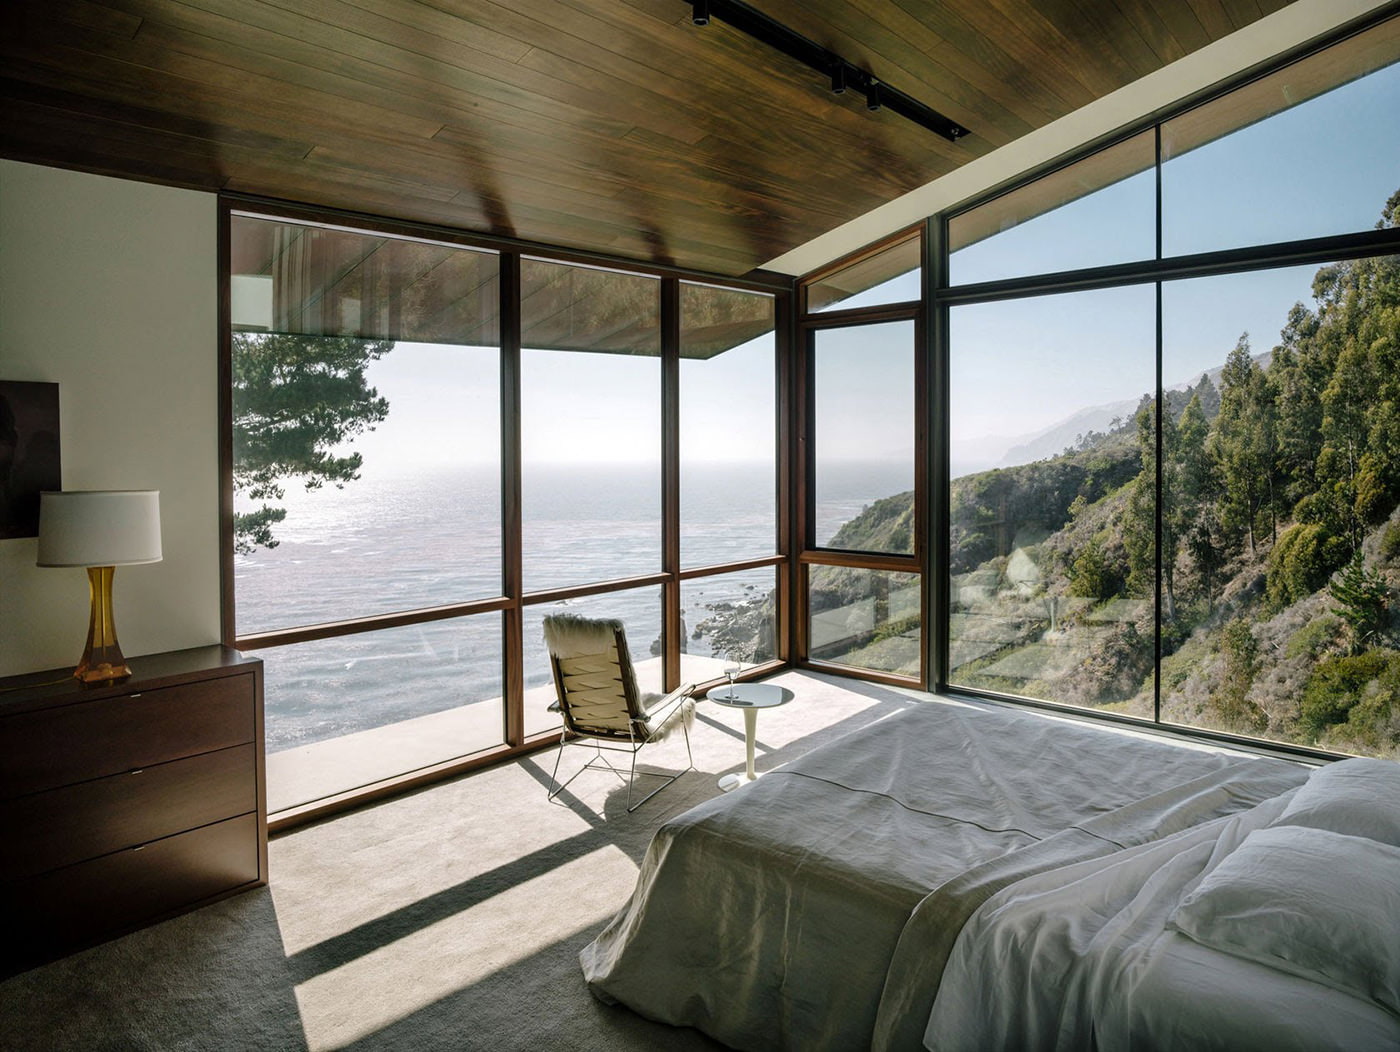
point(577, 407)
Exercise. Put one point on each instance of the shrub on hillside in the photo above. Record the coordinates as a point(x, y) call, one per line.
point(1301, 562)
point(1338, 686)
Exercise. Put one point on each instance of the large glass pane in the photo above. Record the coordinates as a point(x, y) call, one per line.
point(728, 426)
point(892, 275)
point(730, 619)
point(590, 425)
point(366, 477)
point(1307, 151)
point(639, 610)
point(366, 424)
point(1095, 212)
point(1051, 554)
point(346, 712)
point(863, 421)
point(319, 281)
point(1283, 506)
point(869, 619)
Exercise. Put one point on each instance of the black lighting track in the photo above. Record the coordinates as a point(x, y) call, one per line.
point(843, 75)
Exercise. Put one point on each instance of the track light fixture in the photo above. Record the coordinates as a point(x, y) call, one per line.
point(843, 74)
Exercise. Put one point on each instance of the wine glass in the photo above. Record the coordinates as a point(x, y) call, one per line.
point(731, 671)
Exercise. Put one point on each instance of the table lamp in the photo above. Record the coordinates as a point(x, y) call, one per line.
point(100, 530)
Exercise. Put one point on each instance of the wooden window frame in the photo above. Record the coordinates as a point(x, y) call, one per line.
point(513, 599)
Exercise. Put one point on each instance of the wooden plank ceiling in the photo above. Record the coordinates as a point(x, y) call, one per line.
point(614, 126)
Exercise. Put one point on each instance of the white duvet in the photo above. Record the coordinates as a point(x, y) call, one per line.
point(814, 908)
point(1083, 957)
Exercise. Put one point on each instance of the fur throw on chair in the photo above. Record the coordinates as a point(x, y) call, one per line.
point(682, 715)
point(571, 635)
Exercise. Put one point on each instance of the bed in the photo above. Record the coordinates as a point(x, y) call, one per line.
point(1276, 928)
point(861, 896)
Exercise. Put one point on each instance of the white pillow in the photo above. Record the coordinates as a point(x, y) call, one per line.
point(1308, 902)
point(1358, 797)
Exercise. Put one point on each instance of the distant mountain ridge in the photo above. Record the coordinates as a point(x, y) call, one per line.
point(1055, 439)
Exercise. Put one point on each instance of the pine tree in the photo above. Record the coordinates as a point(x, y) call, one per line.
point(1363, 600)
point(296, 399)
point(1244, 443)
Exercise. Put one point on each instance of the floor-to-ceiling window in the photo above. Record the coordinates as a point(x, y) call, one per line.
point(433, 444)
point(365, 419)
point(1172, 441)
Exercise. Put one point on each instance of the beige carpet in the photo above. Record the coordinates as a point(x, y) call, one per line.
point(447, 919)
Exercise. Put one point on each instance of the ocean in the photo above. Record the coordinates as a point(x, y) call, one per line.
point(424, 536)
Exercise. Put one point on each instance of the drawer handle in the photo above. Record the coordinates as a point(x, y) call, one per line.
point(136, 695)
point(136, 770)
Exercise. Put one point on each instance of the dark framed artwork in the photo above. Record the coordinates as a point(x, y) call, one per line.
point(29, 460)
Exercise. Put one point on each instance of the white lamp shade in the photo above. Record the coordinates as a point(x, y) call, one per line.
point(99, 527)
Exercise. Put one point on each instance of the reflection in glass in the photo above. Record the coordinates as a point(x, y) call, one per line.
point(1307, 151)
point(1052, 558)
point(349, 711)
point(638, 609)
point(728, 430)
point(728, 619)
point(590, 425)
point(1097, 211)
point(863, 421)
point(1282, 506)
point(868, 619)
point(891, 275)
point(315, 281)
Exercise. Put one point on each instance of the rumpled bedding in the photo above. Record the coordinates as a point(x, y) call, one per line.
point(771, 917)
point(1082, 957)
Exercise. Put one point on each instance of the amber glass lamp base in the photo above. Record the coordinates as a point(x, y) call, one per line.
point(102, 660)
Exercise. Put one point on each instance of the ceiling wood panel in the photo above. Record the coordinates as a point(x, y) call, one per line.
point(613, 126)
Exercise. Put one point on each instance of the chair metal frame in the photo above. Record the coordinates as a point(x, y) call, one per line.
point(644, 727)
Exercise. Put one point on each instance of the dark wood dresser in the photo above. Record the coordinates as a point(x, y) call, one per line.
point(125, 804)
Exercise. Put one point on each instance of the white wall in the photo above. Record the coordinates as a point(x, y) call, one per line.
point(109, 288)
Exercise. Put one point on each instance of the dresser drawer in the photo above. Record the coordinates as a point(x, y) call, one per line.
point(92, 900)
point(53, 747)
point(56, 828)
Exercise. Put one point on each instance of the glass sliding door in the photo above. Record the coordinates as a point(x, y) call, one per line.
point(1052, 562)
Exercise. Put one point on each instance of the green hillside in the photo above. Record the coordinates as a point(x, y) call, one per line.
point(1280, 542)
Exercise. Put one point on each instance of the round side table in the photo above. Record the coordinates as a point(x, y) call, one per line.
point(748, 697)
